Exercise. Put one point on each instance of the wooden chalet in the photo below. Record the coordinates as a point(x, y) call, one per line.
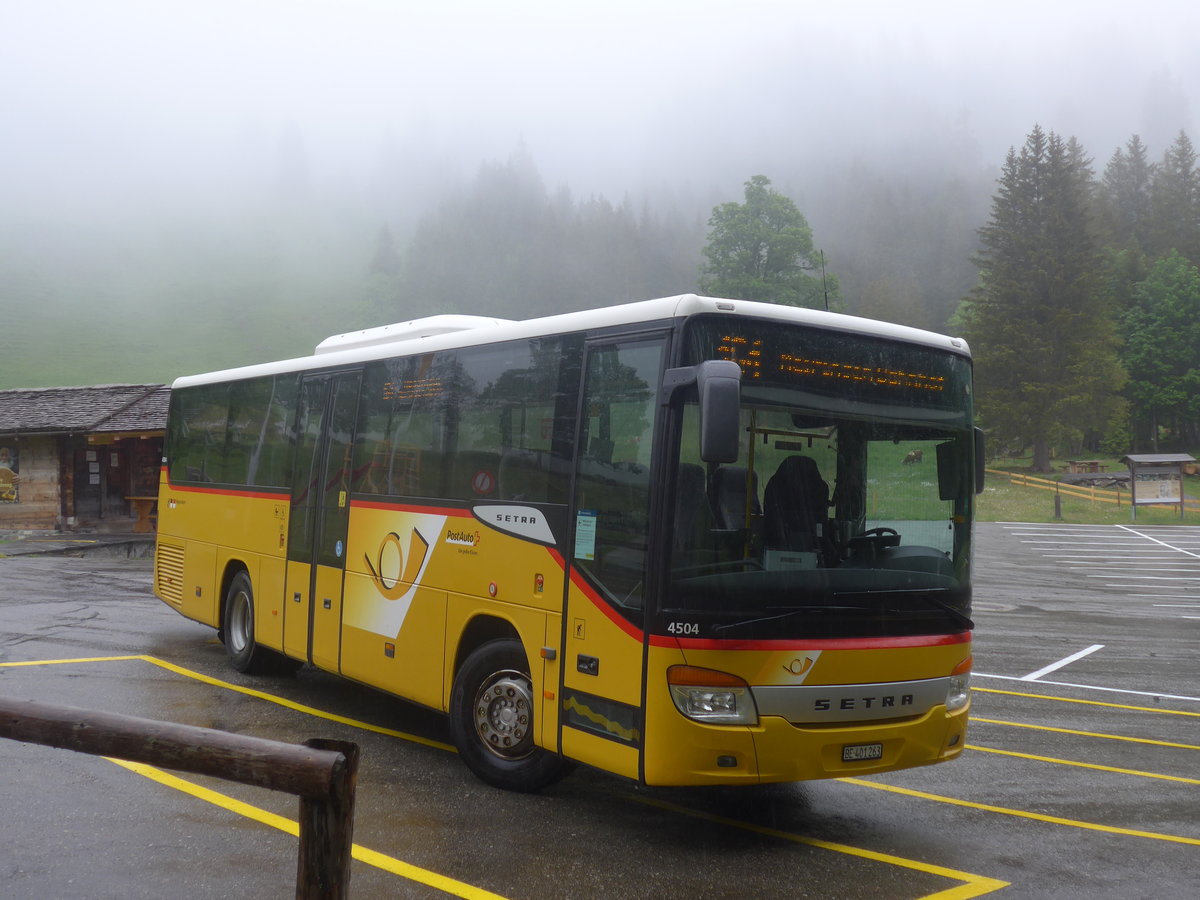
point(81, 458)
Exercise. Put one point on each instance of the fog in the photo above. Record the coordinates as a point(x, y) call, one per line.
point(103, 99)
point(122, 119)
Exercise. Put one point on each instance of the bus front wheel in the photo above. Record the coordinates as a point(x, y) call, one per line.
point(491, 717)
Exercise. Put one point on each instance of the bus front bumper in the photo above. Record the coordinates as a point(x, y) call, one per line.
point(691, 753)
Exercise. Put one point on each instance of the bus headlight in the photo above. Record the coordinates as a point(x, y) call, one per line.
point(959, 690)
point(716, 698)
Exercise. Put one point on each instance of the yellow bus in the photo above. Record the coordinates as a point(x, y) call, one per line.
point(688, 541)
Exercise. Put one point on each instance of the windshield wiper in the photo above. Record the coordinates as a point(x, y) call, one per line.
point(957, 615)
point(779, 617)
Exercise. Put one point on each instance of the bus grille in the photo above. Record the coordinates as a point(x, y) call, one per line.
point(168, 573)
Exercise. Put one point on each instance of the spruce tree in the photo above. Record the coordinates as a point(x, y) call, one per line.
point(1175, 202)
point(1039, 321)
point(1128, 179)
point(1162, 352)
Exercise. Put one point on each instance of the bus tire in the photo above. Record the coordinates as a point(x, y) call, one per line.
point(244, 653)
point(491, 718)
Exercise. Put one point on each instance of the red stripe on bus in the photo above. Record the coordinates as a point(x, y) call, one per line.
point(588, 591)
point(863, 643)
point(404, 507)
point(230, 492)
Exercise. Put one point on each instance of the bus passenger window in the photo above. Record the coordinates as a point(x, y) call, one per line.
point(258, 449)
point(196, 443)
point(503, 422)
point(397, 450)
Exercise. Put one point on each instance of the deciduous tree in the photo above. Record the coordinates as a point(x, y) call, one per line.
point(762, 249)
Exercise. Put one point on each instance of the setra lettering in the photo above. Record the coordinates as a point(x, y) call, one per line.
point(852, 703)
point(510, 519)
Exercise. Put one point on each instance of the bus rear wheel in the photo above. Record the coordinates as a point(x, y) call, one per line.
point(245, 654)
point(491, 717)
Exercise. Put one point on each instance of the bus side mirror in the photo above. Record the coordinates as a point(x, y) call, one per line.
point(952, 468)
point(980, 461)
point(719, 386)
point(719, 382)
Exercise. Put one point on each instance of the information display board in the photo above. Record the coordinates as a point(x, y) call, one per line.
point(1157, 478)
point(1153, 485)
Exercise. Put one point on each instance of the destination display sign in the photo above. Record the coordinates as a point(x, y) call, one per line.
point(757, 357)
point(842, 364)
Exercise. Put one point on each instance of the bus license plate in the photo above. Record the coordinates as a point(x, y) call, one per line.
point(853, 752)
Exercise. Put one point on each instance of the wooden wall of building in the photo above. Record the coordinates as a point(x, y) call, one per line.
point(38, 502)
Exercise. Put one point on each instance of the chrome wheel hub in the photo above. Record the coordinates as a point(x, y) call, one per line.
point(504, 715)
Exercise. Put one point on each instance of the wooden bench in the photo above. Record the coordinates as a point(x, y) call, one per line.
point(143, 508)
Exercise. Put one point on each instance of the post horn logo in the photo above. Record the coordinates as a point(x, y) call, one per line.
point(800, 666)
point(392, 572)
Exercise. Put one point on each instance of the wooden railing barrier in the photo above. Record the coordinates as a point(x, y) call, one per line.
point(321, 773)
point(1084, 492)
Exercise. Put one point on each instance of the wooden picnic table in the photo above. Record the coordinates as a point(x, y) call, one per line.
point(1085, 465)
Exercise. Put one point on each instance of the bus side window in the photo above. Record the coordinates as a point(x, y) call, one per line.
point(504, 418)
point(258, 442)
point(524, 475)
point(397, 450)
point(197, 442)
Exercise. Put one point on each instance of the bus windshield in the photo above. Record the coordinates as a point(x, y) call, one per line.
point(848, 510)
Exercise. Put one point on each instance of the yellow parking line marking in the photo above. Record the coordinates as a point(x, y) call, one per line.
point(1023, 814)
point(298, 707)
point(975, 885)
point(250, 692)
point(363, 854)
point(59, 662)
point(1151, 709)
point(1083, 765)
point(1094, 734)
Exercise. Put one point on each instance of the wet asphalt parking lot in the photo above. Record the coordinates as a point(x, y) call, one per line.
point(1081, 778)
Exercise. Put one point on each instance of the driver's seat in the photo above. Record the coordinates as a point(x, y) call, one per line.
point(796, 506)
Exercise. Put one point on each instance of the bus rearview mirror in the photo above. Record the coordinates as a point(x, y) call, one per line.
point(719, 382)
point(980, 460)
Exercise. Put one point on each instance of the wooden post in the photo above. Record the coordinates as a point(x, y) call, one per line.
point(322, 773)
point(326, 830)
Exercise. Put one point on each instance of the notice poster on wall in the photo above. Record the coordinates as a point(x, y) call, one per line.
point(9, 492)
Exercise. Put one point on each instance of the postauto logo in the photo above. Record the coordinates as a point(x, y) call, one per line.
point(395, 566)
point(465, 538)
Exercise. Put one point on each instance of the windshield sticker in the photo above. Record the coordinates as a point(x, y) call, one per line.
point(585, 534)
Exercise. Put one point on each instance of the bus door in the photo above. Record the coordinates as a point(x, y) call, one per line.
point(319, 516)
point(603, 660)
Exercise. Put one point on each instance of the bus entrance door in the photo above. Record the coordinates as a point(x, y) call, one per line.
point(319, 515)
point(603, 665)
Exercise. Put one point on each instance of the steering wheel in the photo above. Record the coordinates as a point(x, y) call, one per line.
point(876, 539)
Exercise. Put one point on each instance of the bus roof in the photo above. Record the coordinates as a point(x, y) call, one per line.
point(445, 332)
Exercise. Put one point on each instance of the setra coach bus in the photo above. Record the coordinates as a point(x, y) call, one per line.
point(687, 541)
